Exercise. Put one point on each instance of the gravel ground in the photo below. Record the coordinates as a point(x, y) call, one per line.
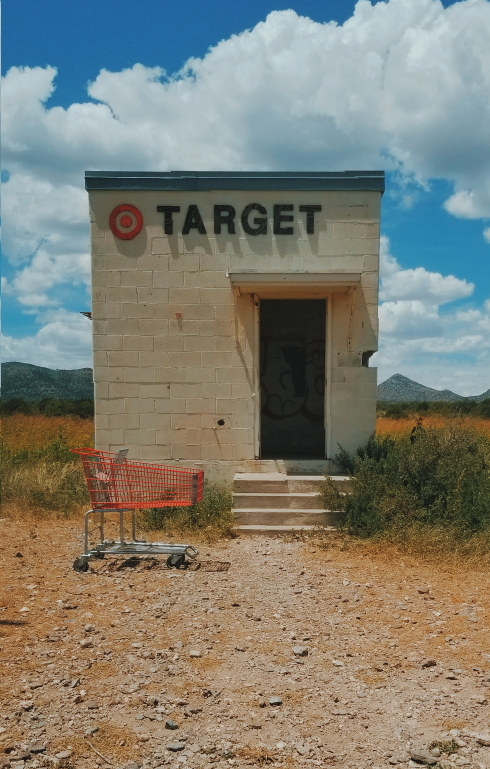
point(273, 652)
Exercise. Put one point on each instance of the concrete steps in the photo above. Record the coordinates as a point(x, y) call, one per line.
point(280, 503)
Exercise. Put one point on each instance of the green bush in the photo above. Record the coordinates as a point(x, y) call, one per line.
point(450, 409)
point(435, 477)
point(211, 516)
point(49, 407)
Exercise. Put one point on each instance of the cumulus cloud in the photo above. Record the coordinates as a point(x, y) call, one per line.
point(64, 341)
point(448, 347)
point(421, 285)
point(401, 85)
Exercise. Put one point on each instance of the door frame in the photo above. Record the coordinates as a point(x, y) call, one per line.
point(328, 366)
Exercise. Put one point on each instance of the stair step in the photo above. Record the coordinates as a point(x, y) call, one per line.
point(298, 500)
point(277, 530)
point(263, 483)
point(285, 516)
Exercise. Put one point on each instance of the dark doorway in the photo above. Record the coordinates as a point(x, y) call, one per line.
point(292, 378)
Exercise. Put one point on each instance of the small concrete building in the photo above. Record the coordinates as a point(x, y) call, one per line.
point(234, 315)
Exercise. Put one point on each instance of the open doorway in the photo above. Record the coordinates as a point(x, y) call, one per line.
point(292, 378)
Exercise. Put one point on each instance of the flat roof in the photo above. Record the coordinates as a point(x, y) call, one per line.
point(235, 180)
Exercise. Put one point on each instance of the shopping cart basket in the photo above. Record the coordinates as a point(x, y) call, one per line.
point(116, 485)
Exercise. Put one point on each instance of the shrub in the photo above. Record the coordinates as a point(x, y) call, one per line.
point(211, 516)
point(433, 477)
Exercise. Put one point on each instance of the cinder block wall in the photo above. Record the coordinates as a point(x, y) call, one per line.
point(174, 345)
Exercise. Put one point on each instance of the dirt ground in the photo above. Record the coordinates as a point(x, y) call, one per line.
point(370, 660)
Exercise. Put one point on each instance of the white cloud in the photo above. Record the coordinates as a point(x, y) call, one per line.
point(421, 285)
point(412, 319)
point(64, 341)
point(449, 348)
point(402, 85)
point(486, 234)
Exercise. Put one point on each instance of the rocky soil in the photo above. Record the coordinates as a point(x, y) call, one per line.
point(273, 652)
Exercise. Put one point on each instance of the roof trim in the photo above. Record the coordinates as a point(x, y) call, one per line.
point(177, 181)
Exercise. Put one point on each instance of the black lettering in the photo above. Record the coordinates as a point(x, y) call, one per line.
point(279, 218)
point(224, 215)
point(193, 221)
point(168, 221)
point(259, 221)
point(310, 217)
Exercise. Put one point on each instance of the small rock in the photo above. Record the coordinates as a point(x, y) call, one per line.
point(429, 663)
point(36, 747)
point(63, 754)
point(436, 752)
point(92, 704)
point(422, 756)
point(27, 705)
point(90, 629)
point(169, 724)
point(175, 746)
point(133, 765)
point(18, 555)
point(301, 749)
point(281, 745)
point(23, 610)
point(338, 663)
point(91, 731)
point(23, 755)
point(86, 643)
point(275, 701)
point(483, 739)
point(300, 651)
point(422, 590)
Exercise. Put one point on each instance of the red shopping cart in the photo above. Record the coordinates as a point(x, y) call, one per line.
point(118, 485)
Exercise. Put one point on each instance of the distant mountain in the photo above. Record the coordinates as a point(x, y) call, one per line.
point(33, 383)
point(399, 388)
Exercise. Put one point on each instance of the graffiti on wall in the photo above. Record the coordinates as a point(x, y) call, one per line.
point(292, 378)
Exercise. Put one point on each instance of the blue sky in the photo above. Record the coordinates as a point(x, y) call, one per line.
point(401, 85)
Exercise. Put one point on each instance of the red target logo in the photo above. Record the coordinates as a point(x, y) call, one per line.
point(126, 222)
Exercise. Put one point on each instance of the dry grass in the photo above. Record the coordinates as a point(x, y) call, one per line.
point(116, 744)
point(23, 432)
point(436, 545)
point(404, 425)
point(257, 755)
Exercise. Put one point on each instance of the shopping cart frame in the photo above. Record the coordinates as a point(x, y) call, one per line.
point(178, 554)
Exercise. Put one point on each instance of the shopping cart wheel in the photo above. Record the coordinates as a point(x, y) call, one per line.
point(80, 565)
point(175, 561)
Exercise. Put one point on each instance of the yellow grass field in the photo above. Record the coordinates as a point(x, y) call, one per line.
point(389, 426)
point(22, 431)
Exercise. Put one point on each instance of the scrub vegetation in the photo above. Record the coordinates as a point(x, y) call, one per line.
point(211, 517)
point(427, 490)
point(41, 477)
